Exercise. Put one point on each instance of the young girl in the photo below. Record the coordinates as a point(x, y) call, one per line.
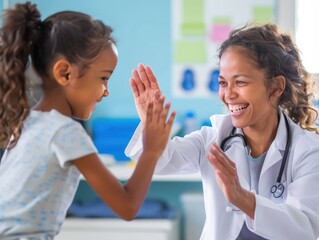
point(46, 150)
point(259, 163)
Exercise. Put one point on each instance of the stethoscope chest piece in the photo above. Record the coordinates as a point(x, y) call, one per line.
point(277, 190)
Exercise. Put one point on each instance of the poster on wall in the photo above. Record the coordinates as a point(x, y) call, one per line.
point(198, 29)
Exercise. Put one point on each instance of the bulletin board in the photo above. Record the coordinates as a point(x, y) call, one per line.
point(198, 29)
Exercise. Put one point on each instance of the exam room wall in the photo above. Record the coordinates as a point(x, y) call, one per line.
point(143, 32)
point(142, 29)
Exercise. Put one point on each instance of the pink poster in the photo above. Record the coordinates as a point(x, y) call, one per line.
point(219, 32)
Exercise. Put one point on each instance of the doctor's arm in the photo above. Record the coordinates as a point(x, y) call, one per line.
point(181, 155)
point(227, 179)
point(145, 89)
point(298, 212)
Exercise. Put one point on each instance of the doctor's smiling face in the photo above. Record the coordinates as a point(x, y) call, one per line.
point(243, 90)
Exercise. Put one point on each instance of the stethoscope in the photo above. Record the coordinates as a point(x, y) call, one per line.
point(278, 188)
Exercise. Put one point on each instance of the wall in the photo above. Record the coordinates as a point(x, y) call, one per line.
point(143, 32)
point(286, 10)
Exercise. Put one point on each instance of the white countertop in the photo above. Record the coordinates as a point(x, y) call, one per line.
point(123, 170)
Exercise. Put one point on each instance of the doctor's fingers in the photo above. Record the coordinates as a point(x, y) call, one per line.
point(220, 154)
point(221, 163)
point(144, 76)
point(151, 77)
point(227, 180)
point(139, 83)
point(134, 88)
point(219, 168)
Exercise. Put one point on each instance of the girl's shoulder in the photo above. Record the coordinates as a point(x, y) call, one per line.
point(48, 123)
point(51, 118)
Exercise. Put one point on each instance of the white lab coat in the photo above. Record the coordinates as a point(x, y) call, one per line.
point(293, 216)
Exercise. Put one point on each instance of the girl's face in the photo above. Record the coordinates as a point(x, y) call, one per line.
point(243, 91)
point(89, 89)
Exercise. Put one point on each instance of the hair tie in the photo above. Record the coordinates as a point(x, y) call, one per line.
point(40, 25)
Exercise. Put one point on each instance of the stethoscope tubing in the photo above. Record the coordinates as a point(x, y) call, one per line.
point(278, 188)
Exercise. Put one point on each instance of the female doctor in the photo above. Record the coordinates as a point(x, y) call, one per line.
point(259, 163)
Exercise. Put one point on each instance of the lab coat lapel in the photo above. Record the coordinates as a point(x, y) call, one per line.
point(273, 156)
point(273, 160)
point(237, 153)
point(269, 171)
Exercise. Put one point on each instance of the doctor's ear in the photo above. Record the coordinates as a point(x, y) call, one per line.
point(61, 72)
point(279, 84)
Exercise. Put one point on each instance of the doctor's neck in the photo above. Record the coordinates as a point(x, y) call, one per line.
point(260, 135)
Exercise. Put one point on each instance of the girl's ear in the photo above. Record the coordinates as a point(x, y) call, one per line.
point(62, 71)
point(279, 85)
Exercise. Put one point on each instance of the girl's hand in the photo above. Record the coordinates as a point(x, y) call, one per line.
point(145, 90)
point(228, 182)
point(156, 129)
point(126, 200)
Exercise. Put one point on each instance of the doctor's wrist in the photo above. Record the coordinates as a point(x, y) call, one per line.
point(248, 204)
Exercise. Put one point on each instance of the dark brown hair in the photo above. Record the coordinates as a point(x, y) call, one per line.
point(24, 37)
point(276, 54)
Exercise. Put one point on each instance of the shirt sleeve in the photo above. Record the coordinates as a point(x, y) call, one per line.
point(134, 148)
point(71, 142)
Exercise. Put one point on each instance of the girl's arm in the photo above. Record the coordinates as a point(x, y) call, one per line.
point(125, 200)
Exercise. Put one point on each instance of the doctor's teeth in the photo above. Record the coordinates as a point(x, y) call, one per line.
point(237, 108)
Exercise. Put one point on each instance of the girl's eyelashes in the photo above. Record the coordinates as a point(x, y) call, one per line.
point(104, 79)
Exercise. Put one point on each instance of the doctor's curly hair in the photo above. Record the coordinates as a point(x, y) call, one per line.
point(276, 54)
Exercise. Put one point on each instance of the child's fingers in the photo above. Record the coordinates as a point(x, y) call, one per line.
point(164, 113)
point(158, 109)
point(157, 94)
point(138, 81)
point(163, 118)
point(170, 121)
point(144, 76)
point(149, 114)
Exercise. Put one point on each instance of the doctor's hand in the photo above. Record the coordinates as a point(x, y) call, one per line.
point(228, 181)
point(145, 90)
